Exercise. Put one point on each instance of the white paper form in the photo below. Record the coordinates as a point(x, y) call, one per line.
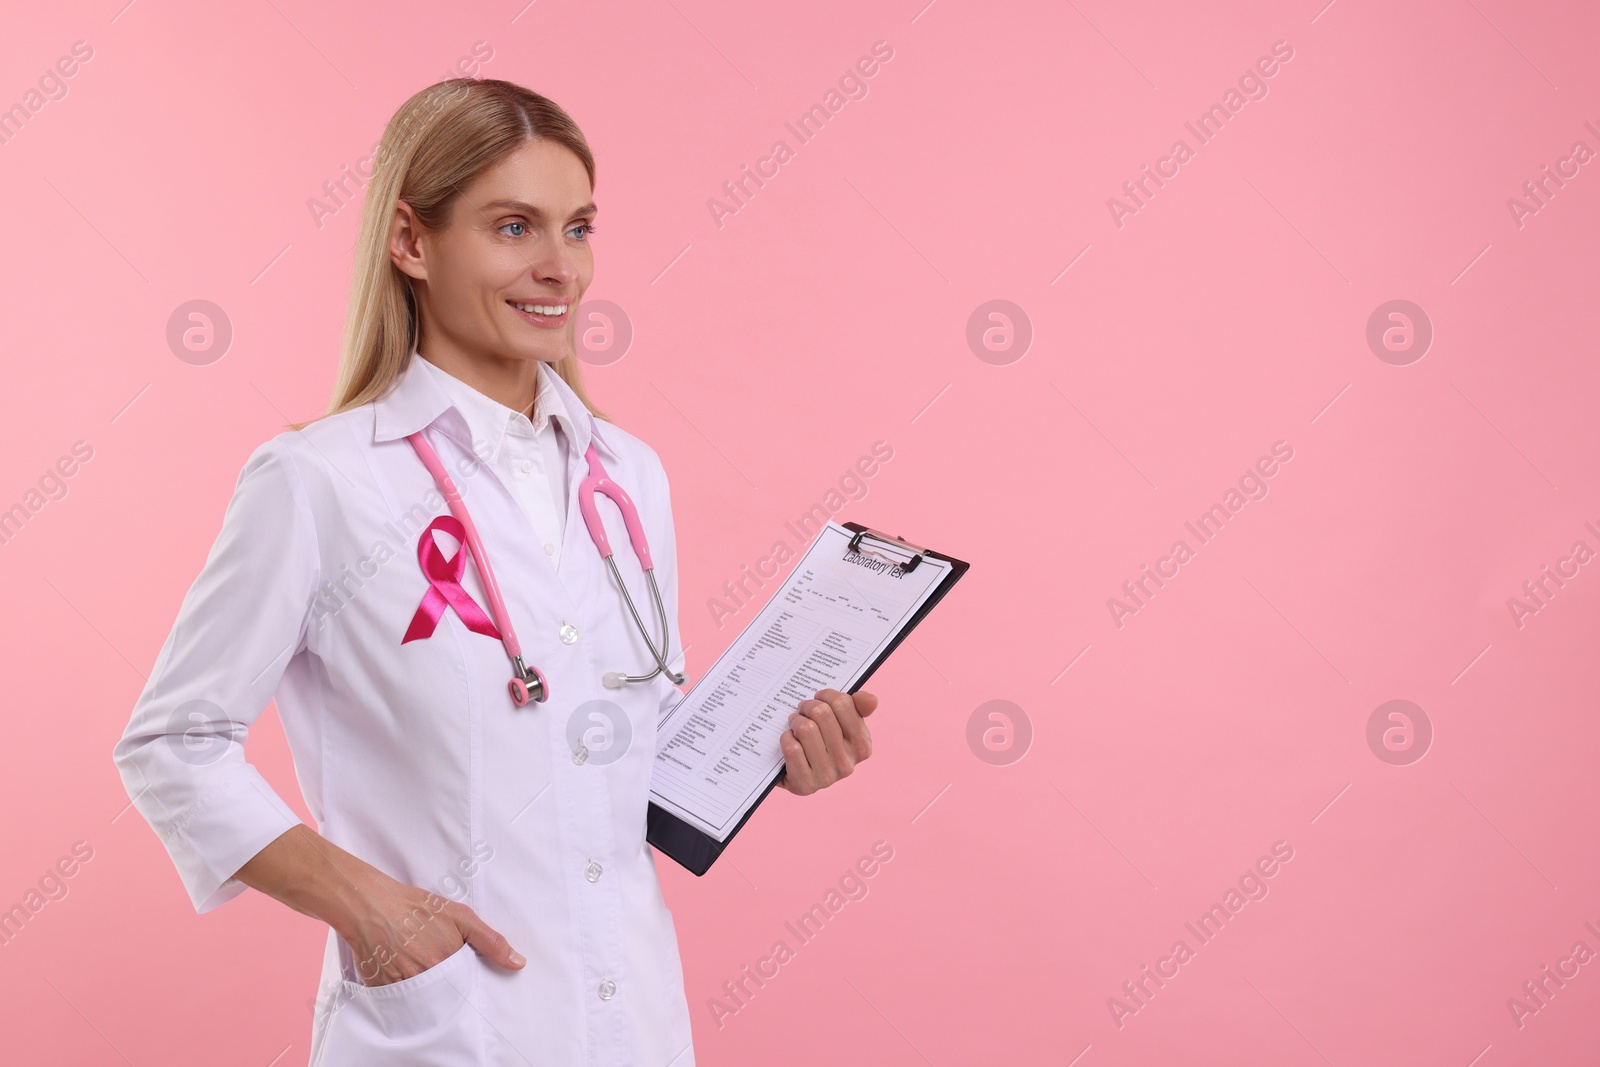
point(717, 748)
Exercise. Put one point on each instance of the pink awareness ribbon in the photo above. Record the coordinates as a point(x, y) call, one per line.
point(444, 584)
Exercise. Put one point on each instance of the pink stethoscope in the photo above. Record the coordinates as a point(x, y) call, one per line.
point(529, 683)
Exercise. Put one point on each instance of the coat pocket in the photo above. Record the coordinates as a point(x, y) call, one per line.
point(425, 1019)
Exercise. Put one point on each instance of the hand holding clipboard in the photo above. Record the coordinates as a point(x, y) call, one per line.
point(826, 738)
point(845, 606)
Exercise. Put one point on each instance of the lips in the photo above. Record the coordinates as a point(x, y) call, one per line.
point(545, 313)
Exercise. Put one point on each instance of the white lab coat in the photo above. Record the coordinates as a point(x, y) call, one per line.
point(412, 756)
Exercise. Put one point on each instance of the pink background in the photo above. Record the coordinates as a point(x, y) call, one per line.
point(831, 312)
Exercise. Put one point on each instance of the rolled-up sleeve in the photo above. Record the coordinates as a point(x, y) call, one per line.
point(247, 614)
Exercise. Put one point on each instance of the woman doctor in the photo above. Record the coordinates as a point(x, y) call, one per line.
point(481, 861)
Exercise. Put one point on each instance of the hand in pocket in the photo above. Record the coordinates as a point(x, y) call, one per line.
point(400, 931)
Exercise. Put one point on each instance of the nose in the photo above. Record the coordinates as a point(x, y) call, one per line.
point(554, 263)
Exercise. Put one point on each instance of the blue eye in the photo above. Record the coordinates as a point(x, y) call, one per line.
point(509, 224)
point(587, 227)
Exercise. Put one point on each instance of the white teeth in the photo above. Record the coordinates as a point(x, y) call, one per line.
point(543, 309)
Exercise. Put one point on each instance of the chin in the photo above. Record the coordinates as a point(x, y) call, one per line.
point(542, 353)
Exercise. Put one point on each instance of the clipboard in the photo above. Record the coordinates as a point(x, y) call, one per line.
point(692, 847)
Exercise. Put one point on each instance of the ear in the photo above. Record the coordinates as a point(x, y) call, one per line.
point(406, 242)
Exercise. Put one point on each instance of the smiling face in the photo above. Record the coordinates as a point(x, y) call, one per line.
point(500, 284)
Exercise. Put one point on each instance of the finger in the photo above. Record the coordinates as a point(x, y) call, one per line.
point(797, 772)
point(847, 711)
point(830, 717)
point(490, 943)
point(810, 736)
point(814, 753)
point(866, 703)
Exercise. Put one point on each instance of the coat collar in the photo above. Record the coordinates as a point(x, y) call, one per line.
point(490, 421)
point(416, 401)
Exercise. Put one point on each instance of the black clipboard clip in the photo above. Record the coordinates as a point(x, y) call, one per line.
point(898, 542)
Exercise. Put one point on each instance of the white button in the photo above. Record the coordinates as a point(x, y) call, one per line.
point(608, 989)
point(549, 548)
point(580, 755)
point(527, 466)
point(592, 872)
point(569, 633)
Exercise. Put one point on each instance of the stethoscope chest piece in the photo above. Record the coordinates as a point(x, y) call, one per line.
point(529, 685)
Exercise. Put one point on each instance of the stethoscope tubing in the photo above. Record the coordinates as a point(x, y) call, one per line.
point(529, 683)
point(458, 508)
point(661, 612)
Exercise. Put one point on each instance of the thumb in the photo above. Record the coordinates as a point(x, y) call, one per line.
point(866, 703)
point(489, 943)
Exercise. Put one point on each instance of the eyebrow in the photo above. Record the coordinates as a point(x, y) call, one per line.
point(523, 208)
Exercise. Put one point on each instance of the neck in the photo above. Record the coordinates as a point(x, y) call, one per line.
point(512, 382)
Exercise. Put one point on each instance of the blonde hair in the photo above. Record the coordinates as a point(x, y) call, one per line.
point(435, 145)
